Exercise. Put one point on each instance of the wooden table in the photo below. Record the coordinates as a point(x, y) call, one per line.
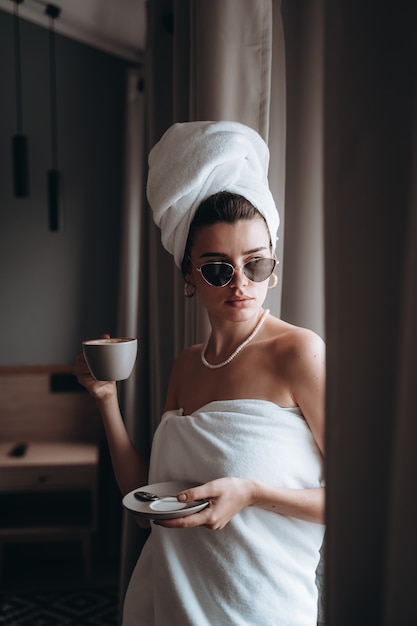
point(49, 494)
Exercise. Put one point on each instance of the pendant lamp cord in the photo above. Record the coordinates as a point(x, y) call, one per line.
point(18, 68)
point(53, 94)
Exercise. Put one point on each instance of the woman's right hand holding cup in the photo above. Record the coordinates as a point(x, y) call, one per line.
point(98, 389)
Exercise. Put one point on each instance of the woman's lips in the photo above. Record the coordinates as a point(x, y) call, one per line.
point(239, 302)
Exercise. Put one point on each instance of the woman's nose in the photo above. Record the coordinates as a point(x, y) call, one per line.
point(239, 277)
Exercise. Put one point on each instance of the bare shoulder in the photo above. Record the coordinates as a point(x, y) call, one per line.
point(305, 344)
point(306, 362)
point(297, 344)
point(301, 353)
point(183, 366)
point(188, 356)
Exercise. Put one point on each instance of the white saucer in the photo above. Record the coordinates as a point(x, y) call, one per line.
point(166, 508)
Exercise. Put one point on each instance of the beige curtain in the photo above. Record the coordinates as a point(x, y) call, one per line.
point(303, 234)
point(133, 281)
point(371, 312)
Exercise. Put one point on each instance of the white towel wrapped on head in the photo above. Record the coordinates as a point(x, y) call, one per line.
point(195, 160)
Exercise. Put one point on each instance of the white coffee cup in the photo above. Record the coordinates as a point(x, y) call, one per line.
point(110, 359)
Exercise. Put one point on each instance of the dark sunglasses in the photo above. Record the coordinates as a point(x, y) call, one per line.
point(219, 273)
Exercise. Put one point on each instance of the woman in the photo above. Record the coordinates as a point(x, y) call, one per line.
point(244, 413)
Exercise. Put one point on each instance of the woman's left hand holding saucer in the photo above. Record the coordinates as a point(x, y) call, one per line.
point(227, 496)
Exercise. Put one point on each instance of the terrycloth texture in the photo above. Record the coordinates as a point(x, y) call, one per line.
point(260, 569)
point(195, 160)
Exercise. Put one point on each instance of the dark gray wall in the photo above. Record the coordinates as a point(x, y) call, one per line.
point(59, 288)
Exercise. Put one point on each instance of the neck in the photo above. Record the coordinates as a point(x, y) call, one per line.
point(247, 339)
point(225, 335)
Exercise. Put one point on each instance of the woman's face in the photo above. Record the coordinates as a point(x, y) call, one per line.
point(237, 244)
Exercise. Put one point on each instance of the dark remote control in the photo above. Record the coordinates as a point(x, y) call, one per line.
point(19, 449)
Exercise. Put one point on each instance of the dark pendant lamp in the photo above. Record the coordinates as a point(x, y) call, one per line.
point(54, 176)
point(20, 151)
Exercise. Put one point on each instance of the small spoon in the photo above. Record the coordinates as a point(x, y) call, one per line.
point(146, 496)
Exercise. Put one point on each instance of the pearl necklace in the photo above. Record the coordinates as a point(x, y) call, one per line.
point(238, 349)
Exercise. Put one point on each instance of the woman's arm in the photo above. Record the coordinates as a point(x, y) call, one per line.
point(306, 375)
point(230, 495)
point(305, 504)
point(130, 469)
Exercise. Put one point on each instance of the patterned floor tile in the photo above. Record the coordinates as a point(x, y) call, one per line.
point(73, 608)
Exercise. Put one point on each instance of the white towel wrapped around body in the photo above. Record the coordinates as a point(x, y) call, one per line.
point(260, 569)
point(194, 160)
